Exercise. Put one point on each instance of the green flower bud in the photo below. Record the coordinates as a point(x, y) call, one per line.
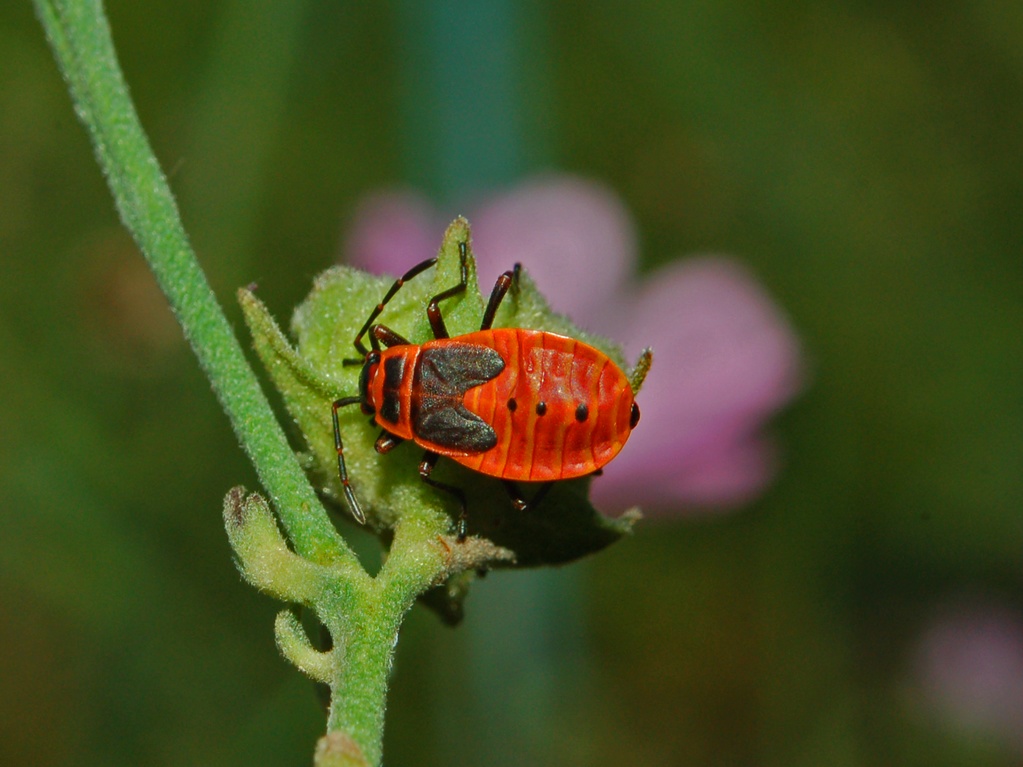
point(311, 375)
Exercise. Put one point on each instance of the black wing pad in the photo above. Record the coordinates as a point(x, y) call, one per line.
point(445, 373)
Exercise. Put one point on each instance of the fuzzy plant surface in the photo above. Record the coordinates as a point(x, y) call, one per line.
point(310, 375)
point(416, 523)
point(285, 541)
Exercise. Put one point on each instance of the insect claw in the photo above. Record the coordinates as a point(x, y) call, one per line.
point(353, 506)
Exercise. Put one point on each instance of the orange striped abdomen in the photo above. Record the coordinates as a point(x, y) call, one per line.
point(560, 408)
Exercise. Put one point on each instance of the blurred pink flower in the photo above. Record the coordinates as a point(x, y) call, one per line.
point(725, 357)
point(969, 667)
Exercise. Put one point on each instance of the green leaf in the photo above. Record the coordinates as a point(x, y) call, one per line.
point(264, 558)
point(565, 526)
point(294, 645)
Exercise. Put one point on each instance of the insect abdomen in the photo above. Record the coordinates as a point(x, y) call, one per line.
point(560, 408)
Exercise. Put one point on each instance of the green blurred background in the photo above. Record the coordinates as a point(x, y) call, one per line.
point(865, 158)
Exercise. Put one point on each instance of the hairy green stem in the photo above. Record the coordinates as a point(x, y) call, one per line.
point(318, 570)
point(80, 37)
point(369, 639)
point(363, 614)
point(359, 687)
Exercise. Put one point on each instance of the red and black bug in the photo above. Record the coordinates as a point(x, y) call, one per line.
point(519, 405)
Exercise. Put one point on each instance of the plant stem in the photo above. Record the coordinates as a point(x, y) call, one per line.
point(369, 635)
point(80, 37)
point(359, 690)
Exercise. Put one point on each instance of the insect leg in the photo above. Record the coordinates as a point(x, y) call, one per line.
point(387, 337)
point(425, 468)
point(342, 471)
point(519, 500)
point(504, 282)
point(386, 442)
point(539, 496)
point(433, 310)
point(415, 270)
point(378, 334)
